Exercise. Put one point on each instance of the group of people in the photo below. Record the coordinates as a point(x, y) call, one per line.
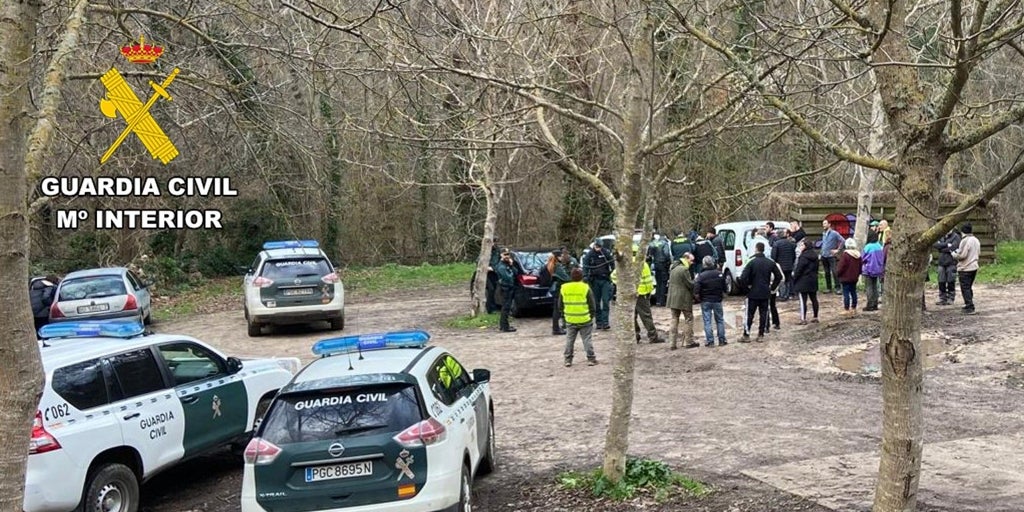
point(688, 271)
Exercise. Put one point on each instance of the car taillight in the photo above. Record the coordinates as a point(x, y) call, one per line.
point(739, 258)
point(42, 441)
point(260, 452)
point(330, 278)
point(424, 433)
point(131, 303)
point(262, 282)
point(55, 311)
point(527, 279)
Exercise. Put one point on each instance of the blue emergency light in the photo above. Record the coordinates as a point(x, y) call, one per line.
point(94, 329)
point(291, 244)
point(376, 341)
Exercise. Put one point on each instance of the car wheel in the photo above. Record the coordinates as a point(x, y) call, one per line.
point(338, 324)
point(112, 488)
point(255, 329)
point(465, 491)
point(488, 463)
point(730, 284)
point(148, 319)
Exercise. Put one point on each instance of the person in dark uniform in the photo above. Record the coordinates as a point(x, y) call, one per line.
point(492, 278)
point(719, 245)
point(784, 253)
point(660, 258)
point(597, 270)
point(947, 267)
point(507, 270)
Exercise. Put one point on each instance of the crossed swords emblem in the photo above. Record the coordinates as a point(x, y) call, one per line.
point(120, 99)
point(216, 406)
point(402, 464)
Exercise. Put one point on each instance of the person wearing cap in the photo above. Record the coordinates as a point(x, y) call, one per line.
point(680, 301)
point(966, 256)
point(947, 267)
point(507, 270)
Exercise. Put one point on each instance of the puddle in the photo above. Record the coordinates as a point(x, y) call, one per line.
point(869, 360)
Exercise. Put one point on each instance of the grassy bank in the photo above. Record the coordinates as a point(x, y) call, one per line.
point(1009, 266)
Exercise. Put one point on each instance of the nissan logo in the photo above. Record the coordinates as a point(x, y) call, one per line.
point(336, 449)
point(298, 281)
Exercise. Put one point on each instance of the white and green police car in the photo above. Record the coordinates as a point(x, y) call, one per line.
point(292, 282)
point(120, 405)
point(381, 422)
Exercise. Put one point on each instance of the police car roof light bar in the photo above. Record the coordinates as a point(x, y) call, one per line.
point(94, 329)
point(375, 341)
point(291, 244)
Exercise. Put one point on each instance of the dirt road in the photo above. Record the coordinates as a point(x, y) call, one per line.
point(768, 424)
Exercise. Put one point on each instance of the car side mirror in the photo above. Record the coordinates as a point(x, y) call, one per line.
point(244, 269)
point(480, 375)
point(234, 365)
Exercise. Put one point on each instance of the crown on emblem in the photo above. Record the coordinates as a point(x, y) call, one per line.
point(142, 53)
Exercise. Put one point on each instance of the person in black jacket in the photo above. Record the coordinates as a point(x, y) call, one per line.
point(597, 270)
point(784, 253)
point(796, 231)
point(762, 277)
point(41, 292)
point(709, 289)
point(805, 280)
point(719, 245)
point(947, 267)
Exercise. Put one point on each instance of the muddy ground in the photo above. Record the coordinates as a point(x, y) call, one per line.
point(775, 426)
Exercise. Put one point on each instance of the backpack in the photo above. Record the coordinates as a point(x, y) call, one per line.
point(873, 264)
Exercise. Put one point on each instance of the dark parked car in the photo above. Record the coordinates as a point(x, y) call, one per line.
point(534, 290)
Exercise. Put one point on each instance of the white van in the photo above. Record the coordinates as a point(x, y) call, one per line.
point(736, 236)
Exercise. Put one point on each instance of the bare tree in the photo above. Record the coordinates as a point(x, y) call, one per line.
point(932, 112)
point(22, 146)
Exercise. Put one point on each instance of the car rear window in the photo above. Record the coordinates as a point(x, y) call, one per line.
point(333, 414)
point(91, 288)
point(532, 260)
point(82, 384)
point(296, 267)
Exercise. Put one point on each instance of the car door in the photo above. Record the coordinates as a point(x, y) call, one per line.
point(214, 401)
point(151, 418)
point(451, 384)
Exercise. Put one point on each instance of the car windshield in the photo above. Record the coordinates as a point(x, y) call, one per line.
point(94, 287)
point(296, 267)
point(331, 414)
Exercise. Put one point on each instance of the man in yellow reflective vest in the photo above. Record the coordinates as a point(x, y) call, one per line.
point(576, 302)
point(642, 309)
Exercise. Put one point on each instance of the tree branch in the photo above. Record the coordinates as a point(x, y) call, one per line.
point(977, 200)
point(857, 17)
point(567, 164)
point(978, 135)
point(42, 133)
point(782, 106)
point(961, 72)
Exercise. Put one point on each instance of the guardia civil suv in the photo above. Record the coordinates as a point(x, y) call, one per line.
point(381, 423)
point(120, 405)
point(292, 282)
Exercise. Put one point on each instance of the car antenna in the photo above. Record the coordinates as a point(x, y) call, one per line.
point(349, 354)
point(360, 352)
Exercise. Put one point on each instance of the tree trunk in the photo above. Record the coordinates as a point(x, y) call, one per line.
point(902, 370)
point(20, 368)
point(868, 177)
point(483, 261)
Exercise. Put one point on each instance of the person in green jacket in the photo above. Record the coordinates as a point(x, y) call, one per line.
point(577, 305)
point(507, 271)
point(558, 265)
point(680, 300)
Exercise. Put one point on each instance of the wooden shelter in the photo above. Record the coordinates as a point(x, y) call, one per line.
point(810, 208)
